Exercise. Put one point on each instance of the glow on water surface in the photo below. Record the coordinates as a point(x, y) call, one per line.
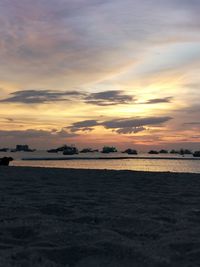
point(158, 165)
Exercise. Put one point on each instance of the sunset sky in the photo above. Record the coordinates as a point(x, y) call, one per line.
point(95, 72)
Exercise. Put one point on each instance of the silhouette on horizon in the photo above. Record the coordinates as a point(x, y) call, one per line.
point(70, 150)
point(108, 149)
point(5, 161)
point(130, 151)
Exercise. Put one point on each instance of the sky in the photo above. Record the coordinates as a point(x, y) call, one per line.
point(100, 72)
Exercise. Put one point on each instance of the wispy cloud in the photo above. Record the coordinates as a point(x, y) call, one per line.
point(194, 123)
point(107, 98)
point(130, 130)
point(36, 137)
point(159, 100)
point(40, 96)
point(33, 133)
point(116, 54)
point(121, 126)
point(86, 125)
point(85, 38)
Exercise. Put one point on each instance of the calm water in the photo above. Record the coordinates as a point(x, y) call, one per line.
point(175, 165)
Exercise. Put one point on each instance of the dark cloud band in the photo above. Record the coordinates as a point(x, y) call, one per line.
point(40, 96)
point(105, 98)
point(121, 126)
point(159, 100)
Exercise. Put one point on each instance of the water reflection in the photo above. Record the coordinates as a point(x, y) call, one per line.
point(127, 164)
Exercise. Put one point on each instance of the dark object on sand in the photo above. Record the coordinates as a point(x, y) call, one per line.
point(153, 152)
point(196, 154)
point(108, 149)
point(70, 150)
point(5, 161)
point(131, 151)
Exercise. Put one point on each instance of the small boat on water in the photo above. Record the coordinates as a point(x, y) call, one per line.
point(87, 150)
point(108, 149)
point(4, 149)
point(196, 154)
point(70, 150)
point(130, 151)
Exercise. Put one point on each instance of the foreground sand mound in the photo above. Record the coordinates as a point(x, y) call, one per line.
point(77, 218)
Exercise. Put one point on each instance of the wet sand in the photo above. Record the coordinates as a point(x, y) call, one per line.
point(98, 218)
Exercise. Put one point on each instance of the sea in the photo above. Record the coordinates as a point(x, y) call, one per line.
point(111, 161)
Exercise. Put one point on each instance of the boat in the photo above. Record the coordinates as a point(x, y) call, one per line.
point(70, 150)
point(130, 151)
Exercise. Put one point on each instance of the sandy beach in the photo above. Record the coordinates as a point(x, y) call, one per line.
point(98, 218)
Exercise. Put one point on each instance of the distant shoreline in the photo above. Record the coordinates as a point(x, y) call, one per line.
point(108, 158)
point(98, 171)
